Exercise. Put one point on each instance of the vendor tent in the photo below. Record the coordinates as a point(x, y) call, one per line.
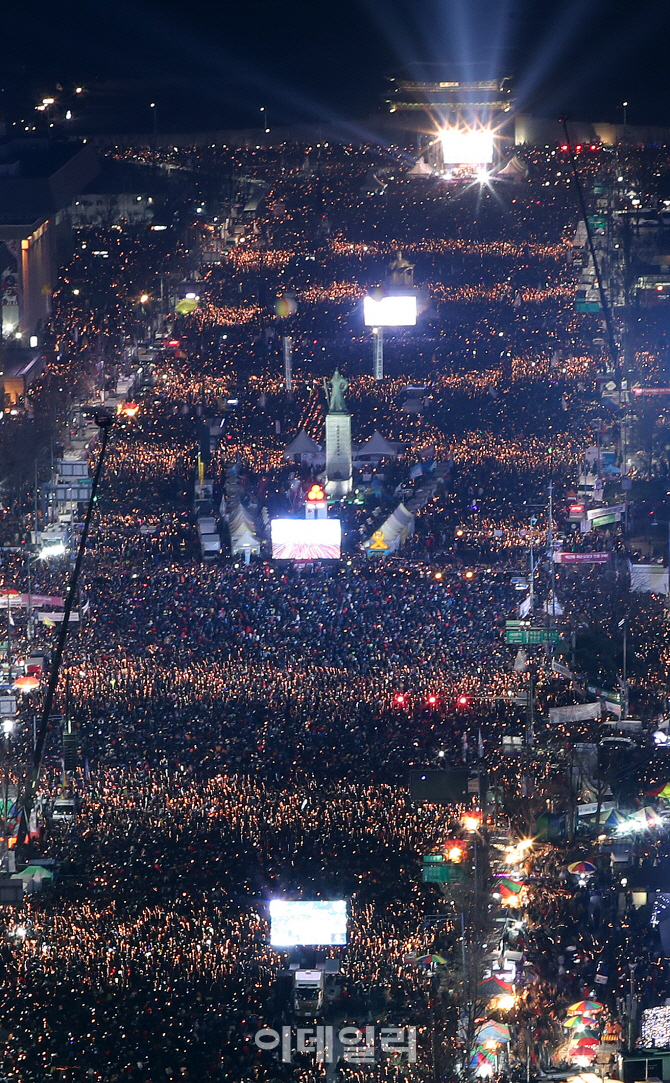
point(491, 1031)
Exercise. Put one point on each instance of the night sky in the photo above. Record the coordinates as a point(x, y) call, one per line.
point(213, 64)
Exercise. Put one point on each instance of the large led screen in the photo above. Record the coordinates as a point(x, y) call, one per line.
point(315, 923)
point(467, 148)
point(397, 310)
point(306, 539)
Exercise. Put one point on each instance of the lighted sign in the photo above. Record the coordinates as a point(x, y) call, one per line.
point(315, 923)
point(306, 539)
point(396, 310)
point(316, 494)
point(460, 147)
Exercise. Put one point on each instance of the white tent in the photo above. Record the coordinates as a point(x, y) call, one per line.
point(303, 447)
point(396, 529)
point(514, 170)
point(246, 541)
point(377, 447)
point(242, 531)
point(648, 578)
point(420, 169)
point(241, 519)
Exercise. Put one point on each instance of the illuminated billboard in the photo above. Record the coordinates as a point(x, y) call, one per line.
point(307, 923)
point(397, 310)
point(306, 539)
point(460, 147)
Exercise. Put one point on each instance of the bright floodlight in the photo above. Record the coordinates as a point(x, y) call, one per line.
point(461, 147)
point(392, 311)
point(307, 923)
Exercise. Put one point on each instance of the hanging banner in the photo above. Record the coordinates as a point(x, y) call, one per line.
point(575, 713)
point(612, 509)
point(17, 600)
point(581, 558)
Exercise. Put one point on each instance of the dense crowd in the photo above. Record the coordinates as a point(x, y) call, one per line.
point(247, 730)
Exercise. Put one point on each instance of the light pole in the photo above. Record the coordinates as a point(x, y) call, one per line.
point(7, 730)
point(533, 520)
point(624, 706)
point(264, 111)
point(625, 107)
point(152, 106)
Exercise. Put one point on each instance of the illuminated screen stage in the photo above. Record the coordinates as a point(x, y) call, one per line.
point(307, 923)
point(306, 539)
point(396, 310)
point(461, 147)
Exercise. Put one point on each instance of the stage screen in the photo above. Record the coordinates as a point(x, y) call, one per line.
point(393, 311)
point(306, 539)
point(315, 923)
point(467, 148)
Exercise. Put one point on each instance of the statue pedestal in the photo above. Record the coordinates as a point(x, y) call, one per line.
point(339, 473)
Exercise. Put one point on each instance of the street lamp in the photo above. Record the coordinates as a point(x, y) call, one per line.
point(263, 110)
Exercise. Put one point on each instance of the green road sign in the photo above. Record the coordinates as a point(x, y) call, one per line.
point(604, 520)
point(442, 874)
point(433, 859)
point(525, 637)
point(587, 306)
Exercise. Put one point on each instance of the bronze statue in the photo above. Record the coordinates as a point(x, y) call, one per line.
point(338, 385)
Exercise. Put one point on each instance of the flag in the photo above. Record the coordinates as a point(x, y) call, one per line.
point(524, 608)
point(506, 886)
point(520, 662)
